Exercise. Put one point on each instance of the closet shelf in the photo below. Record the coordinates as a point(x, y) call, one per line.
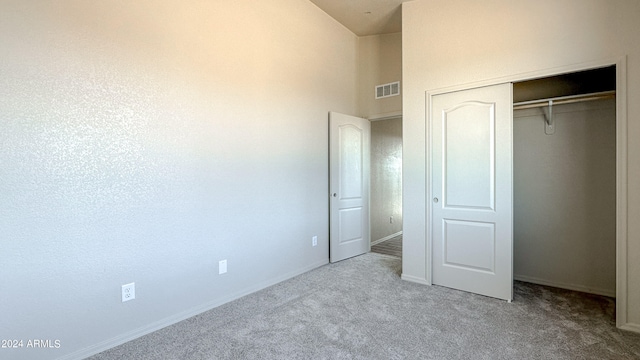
point(564, 100)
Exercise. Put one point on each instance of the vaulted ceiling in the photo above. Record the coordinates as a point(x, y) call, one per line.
point(365, 17)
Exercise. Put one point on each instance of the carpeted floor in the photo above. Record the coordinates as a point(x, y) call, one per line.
point(360, 309)
point(391, 247)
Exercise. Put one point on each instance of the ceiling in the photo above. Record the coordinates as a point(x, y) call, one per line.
point(365, 17)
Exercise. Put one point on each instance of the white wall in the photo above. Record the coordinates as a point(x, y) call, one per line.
point(455, 42)
point(386, 178)
point(564, 197)
point(145, 141)
point(380, 62)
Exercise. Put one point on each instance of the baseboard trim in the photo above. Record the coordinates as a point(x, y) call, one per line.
point(414, 279)
point(631, 327)
point(386, 238)
point(574, 287)
point(160, 324)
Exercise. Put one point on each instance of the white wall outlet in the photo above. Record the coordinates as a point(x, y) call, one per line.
point(222, 266)
point(314, 241)
point(128, 292)
point(390, 219)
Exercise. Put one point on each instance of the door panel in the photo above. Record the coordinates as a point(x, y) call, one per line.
point(469, 245)
point(349, 141)
point(351, 222)
point(472, 171)
point(469, 155)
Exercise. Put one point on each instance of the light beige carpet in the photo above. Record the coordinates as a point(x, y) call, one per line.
point(359, 308)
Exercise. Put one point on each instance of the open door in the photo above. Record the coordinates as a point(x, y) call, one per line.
point(349, 139)
point(472, 196)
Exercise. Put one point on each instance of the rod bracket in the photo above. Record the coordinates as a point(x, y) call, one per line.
point(549, 124)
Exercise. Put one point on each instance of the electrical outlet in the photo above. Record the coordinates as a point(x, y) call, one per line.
point(314, 241)
point(222, 266)
point(128, 292)
point(390, 219)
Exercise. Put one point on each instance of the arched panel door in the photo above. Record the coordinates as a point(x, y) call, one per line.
point(349, 142)
point(472, 196)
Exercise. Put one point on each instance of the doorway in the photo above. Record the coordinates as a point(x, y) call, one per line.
point(365, 186)
point(565, 181)
point(386, 186)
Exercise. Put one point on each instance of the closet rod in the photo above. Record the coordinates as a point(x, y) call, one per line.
point(564, 100)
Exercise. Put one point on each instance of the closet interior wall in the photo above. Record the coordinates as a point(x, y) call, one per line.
point(565, 197)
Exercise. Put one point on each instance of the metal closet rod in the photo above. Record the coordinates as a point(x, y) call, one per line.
point(564, 100)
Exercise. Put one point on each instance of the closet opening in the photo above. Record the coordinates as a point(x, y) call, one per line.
point(564, 181)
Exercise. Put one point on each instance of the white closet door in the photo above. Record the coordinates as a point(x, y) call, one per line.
point(472, 171)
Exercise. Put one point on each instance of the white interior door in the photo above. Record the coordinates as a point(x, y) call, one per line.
point(349, 139)
point(472, 196)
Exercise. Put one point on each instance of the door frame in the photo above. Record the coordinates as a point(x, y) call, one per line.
point(621, 166)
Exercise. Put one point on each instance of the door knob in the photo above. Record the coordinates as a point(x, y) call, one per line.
point(435, 200)
point(335, 194)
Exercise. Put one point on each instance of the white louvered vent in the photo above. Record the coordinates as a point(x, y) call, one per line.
point(386, 90)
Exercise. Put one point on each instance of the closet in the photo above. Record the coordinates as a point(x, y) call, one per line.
point(564, 182)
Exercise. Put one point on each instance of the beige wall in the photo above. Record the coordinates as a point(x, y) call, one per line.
point(145, 141)
point(455, 42)
point(386, 178)
point(380, 62)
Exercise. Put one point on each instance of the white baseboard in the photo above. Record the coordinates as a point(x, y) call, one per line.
point(414, 279)
point(386, 238)
point(155, 326)
point(631, 327)
point(581, 288)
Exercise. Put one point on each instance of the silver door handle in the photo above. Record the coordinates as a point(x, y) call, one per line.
point(435, 200)
point(335, 194)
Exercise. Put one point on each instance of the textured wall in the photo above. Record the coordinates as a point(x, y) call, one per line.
point(145, 141)
point(455, 42)
point(386, 178)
